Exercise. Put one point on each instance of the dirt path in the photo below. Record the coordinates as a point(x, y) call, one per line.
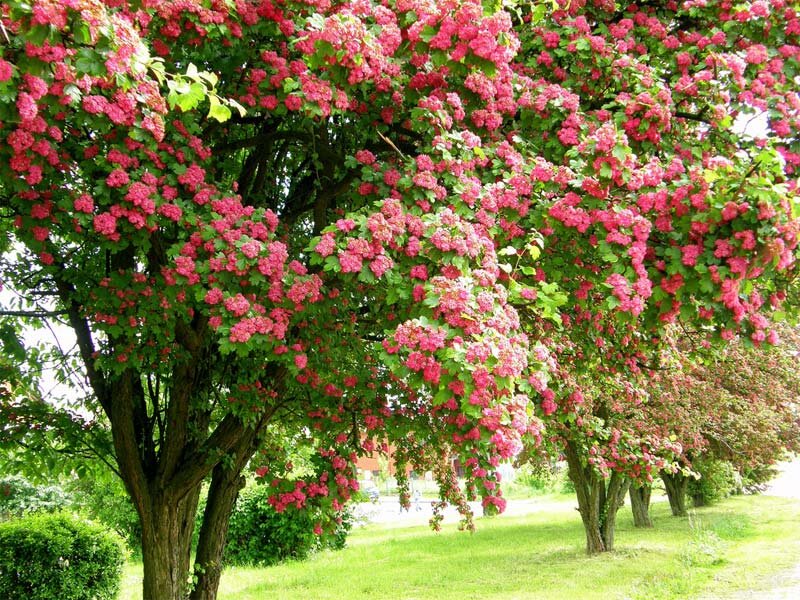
point(786, 585)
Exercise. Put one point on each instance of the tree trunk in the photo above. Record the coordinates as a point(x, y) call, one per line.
point(165, 447)
point(167, 527)
point(226, 483)
point(676, 484)
point(222, 494)
point(598, 501)
point(698, 500)
point(614, 500)
point(640, 505)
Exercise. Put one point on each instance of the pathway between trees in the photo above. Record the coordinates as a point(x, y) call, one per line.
point(786, 585)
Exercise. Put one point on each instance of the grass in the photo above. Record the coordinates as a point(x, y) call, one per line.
point(741, 543)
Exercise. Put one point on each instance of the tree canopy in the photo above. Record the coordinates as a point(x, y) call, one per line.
point(381, 222)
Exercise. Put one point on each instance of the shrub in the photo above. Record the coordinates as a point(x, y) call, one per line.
point(717, 480)
point(538, 478)
point(756, 479)
point(259, 535)
point(104, 499)
point(47, 557)
point(565, 485)
point(19, 497)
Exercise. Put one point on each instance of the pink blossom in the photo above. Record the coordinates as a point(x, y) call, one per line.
point(251, 249)
point(193, 177)
point(345, 225)
point(326, 245)
point(106, 224)
point(349, 262)
point(419, 272)
point(690, 254)
point(365, 157)
point(26, 106)
point(730, 211)
point(380, 265)
point(84, 203)
point(171, 211)
point(238, 305)
point(293, 102)
point(117, 178)
point(6, 70)
point(756, 54)
point(213, 296)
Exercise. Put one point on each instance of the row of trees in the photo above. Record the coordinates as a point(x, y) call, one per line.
point(454, 227)
point(699, 424)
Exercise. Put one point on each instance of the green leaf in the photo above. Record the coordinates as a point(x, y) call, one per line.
point(12, 346)
point(620, 152)
point(88, 61)
point(217, 110)
point(442, 396)
point(80, 33)
point(427, 33)
point(538, 13)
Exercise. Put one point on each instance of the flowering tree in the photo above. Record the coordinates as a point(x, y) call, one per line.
point(603, 426)
point(663, 243)
point(737, 405)
point(330, 216)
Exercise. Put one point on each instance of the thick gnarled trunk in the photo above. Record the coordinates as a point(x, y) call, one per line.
point(676, 484)
point(165, 486)
point(599, 500)
point(167, 526)
point(640, 505)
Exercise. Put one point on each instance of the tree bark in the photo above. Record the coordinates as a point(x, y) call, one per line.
point(167, 526)
point(640, 505)
point(226, 483)
point(222, 495)
point(614, 499)
point(599, 500)
point(676, 484)
point(165, 486)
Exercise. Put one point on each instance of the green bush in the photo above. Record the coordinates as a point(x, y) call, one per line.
point(717, 480)
point(57, 557)
point(19, 497)
point(756, 479)
point(565, 485)
point(104, 499)
point(258, 535)
point(538, 478)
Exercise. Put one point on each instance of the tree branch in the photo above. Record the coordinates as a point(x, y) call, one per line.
point(34, 314)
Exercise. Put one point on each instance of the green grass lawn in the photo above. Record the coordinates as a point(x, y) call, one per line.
point(740, 543)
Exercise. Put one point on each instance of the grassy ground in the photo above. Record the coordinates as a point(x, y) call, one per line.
point(741, 543)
